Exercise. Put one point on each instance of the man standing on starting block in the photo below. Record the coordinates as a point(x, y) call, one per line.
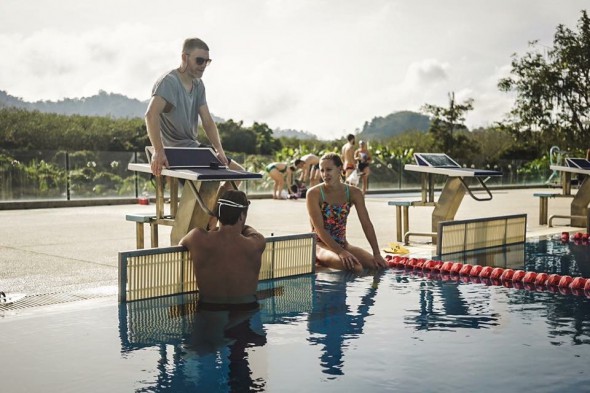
point(178, 100)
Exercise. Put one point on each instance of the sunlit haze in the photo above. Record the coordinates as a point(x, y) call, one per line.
point(321, 66)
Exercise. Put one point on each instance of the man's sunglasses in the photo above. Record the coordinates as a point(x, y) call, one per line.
point(201, 60)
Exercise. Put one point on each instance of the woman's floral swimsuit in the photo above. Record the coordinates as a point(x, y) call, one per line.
point(335, 217)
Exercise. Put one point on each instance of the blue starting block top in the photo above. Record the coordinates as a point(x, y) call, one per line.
point(442, 164)
point(580, 163)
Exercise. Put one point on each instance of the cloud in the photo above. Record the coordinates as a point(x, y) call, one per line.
point(426, 73)
point(50, 64)
point(314, 65)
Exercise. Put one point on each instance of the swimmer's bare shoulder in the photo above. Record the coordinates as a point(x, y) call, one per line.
point(257, 239)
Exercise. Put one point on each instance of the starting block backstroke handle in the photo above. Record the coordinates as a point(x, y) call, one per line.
point(483, 184)
point(200, 200)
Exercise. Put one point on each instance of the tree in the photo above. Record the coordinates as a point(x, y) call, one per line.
point(553, 88)
point(266, 144)
point(445, 121)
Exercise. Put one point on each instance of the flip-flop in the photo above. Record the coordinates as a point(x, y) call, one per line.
point(10, 298)
point(396, 248)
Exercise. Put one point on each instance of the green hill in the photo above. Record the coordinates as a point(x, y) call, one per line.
point(115, 106)
point(396, 123)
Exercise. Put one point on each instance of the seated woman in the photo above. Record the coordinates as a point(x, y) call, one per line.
point(277, 171)
point(328, 205)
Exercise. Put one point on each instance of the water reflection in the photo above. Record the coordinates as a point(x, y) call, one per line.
point(552, 256)
point(333, 322)
point(444, 307)
point(567, 317)
point(230, 352)
point(209, 351)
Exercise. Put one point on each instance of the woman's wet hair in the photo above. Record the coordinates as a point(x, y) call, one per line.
point(231, 205)
point(334, 157)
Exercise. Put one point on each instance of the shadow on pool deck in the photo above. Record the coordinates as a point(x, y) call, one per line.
point(74, 250)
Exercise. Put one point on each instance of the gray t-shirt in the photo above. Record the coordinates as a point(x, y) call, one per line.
point(179, 126)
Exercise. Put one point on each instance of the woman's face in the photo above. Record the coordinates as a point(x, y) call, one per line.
point(329, 172)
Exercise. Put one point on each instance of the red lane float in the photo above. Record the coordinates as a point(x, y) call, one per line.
point(565, 282)
point(565, 236)
point(529, 278)
point(489, 275)
point(466, 269)
point(496, 273)
point(507, 275)
point(446, 267)
point(578, 283)
point(475, 271)
point(518, 275)
point(485, 272)
point(456, 268)
point(553, 280)
point(541, 279)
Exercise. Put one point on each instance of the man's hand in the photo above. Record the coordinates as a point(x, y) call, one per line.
point(221, 156)
point(159, 161)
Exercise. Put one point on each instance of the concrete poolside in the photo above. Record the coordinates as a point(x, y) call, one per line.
point(72, 252)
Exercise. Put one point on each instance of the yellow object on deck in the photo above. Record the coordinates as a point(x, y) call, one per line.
point(396, 248)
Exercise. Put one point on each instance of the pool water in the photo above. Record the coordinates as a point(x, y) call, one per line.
point(395, 331)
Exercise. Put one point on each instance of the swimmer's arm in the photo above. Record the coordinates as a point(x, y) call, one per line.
point(254, 235)
point(359, 203)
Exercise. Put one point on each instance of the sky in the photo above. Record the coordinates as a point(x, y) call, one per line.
point(321, 66)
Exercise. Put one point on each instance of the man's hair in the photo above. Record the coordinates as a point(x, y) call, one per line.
point(230, 205)
point(191, 44)
point(298, 161)
point(350, 137)
point(334, 157)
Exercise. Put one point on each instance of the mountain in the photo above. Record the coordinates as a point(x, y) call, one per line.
point(394, 124)
point(278, 133)
point(102, 104)
point(119, 106)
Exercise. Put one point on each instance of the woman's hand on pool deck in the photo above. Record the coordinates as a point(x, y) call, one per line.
point(380, 263)
point(348, 260)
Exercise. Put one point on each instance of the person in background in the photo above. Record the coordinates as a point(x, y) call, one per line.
point(311, 169)
point(363, 159)
point(328, 205)
point(280, 172)
point(348, 156)
point(227, 259)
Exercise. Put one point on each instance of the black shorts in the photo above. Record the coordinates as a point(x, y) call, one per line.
point(228, 306)
point(362, 166)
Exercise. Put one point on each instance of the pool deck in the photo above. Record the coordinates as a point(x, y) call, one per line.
point(74, 250)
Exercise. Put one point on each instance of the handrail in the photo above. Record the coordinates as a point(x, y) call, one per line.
point(489, 198)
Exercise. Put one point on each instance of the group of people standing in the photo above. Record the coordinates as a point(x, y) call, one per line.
point(227, 255)
point(356, 162)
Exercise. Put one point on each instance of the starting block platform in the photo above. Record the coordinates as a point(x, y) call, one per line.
point(202, 172)
point(454, 189)
point(579, 205)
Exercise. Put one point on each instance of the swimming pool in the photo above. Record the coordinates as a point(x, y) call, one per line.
point(394, 331)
